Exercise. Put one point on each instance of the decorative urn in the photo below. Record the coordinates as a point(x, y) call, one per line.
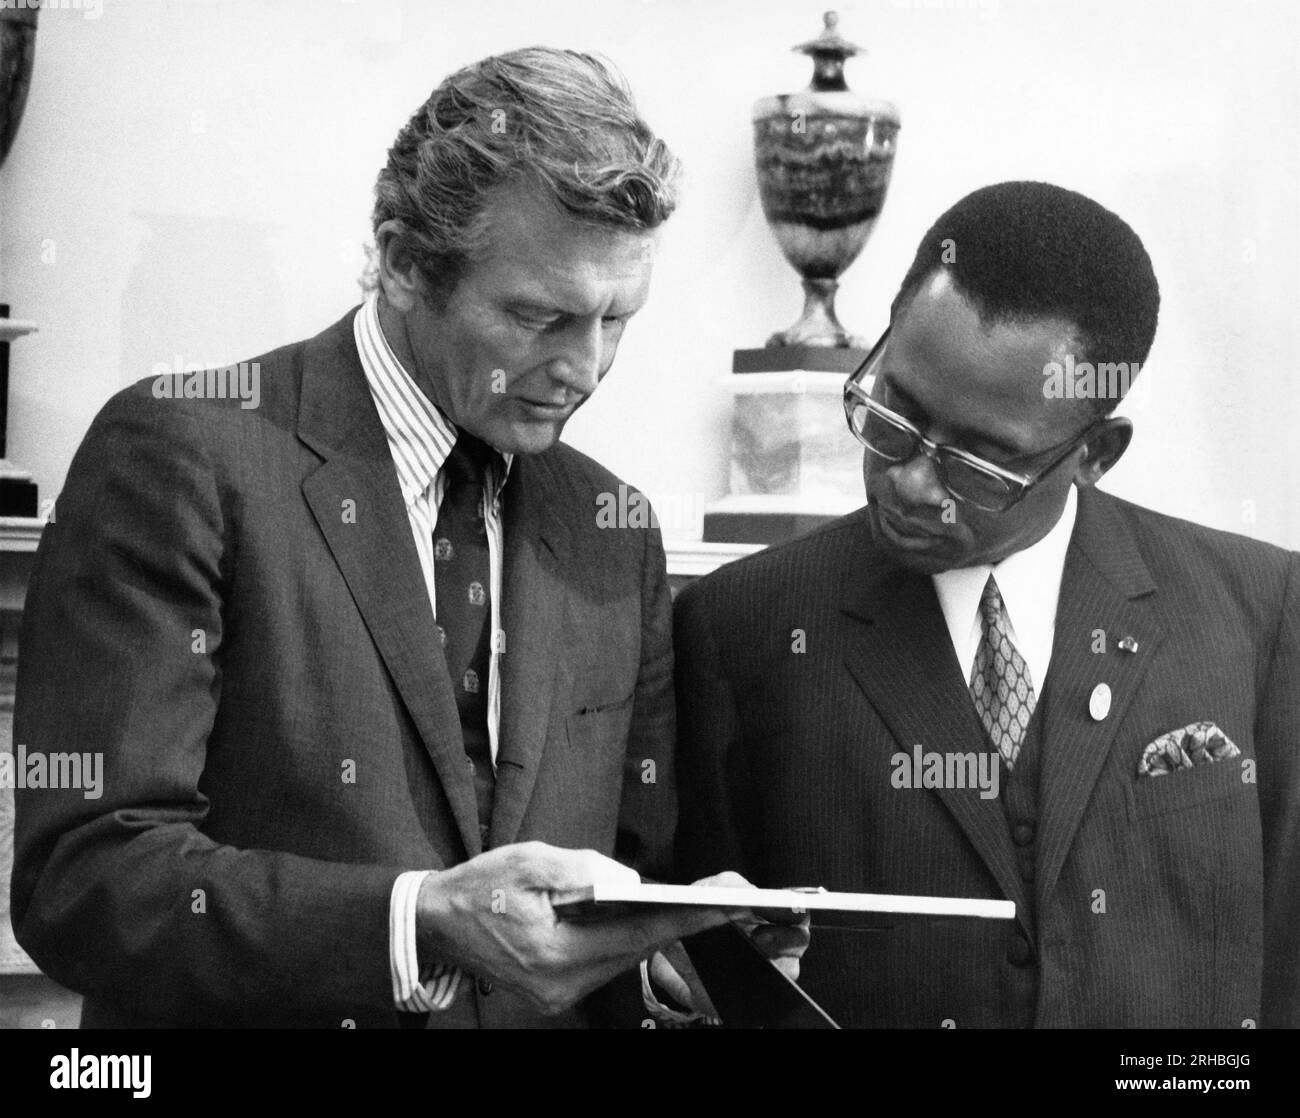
point(824, 158)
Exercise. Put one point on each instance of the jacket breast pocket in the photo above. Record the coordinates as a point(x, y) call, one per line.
point(585, 779)
point(1188, 788)
point(601, 727)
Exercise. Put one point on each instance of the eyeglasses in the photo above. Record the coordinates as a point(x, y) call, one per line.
point(966, 476)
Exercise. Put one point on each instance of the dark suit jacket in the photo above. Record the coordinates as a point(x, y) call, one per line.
point(785, 767)
point(205, 612)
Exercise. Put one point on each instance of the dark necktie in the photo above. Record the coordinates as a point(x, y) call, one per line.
point(1000, 682)
point(462, 589)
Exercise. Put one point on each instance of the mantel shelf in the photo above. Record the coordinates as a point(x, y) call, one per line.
point(20, 533)
point(11, 328)
point(692, 558)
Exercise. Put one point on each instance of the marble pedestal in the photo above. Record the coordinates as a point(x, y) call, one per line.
point(794, 464)
point(18, 497)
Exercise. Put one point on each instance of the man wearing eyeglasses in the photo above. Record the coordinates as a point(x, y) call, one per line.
point(1130, 682)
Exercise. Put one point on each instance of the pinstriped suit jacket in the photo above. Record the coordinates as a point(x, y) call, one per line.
point(1152, 902)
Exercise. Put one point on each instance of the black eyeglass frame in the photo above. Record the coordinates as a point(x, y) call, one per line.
point(1018, 484)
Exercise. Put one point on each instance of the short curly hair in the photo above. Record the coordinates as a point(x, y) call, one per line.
point(1026, 250)
point(562, 120)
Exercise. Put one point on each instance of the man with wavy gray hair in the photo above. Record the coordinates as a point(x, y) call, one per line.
point(380, 682)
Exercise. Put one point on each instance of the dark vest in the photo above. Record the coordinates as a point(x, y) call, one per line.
point(1019, 796)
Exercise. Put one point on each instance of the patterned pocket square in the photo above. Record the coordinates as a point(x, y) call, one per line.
point(1201, 743)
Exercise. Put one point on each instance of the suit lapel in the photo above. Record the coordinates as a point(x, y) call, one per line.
point(537, 545)
point(901, 655)
point(376, 554)
point(1105, 595)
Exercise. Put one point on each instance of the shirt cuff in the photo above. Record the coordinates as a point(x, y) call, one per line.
point(414, 992)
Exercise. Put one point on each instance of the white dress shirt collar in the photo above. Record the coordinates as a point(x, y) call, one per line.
point(1030, 584)
point(420, 436)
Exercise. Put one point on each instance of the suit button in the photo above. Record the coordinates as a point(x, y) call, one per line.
point(1022, 834)
point(1027, 869)
point(485, 986)
point(1019, 953)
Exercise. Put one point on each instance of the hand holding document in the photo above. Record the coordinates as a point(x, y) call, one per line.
point(492, 916)
point(780, 935)
point(720, 973)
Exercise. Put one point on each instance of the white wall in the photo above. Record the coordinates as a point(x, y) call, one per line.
point(194, 179)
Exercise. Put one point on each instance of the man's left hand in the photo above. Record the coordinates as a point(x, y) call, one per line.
point(781, 934)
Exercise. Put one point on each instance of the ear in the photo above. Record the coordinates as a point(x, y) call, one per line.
point(1103, 450)
point(399, 279)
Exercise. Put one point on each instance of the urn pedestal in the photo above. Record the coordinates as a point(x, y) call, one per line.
point(17, 56)
point(18, 496)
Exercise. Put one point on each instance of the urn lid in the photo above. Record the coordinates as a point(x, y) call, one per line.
point(828, 51)
point(827, 92)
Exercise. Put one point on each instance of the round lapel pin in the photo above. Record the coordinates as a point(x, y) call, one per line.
point(1099, 703)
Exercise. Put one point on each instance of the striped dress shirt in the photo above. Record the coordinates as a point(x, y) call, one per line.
point(420, 438)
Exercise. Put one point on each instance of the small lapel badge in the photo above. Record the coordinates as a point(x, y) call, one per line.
point(1099, 703)
point(1128, 644)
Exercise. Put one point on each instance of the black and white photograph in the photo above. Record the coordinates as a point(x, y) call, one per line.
point(651, 515)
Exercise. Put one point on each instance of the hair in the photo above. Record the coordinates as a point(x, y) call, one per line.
point(563, 121)
point(1021, 251)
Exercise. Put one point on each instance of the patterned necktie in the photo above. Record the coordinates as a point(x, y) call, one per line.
point(1000, 683)
point(463, 592)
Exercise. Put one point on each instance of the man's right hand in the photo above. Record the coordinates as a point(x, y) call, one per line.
point(492, 917)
